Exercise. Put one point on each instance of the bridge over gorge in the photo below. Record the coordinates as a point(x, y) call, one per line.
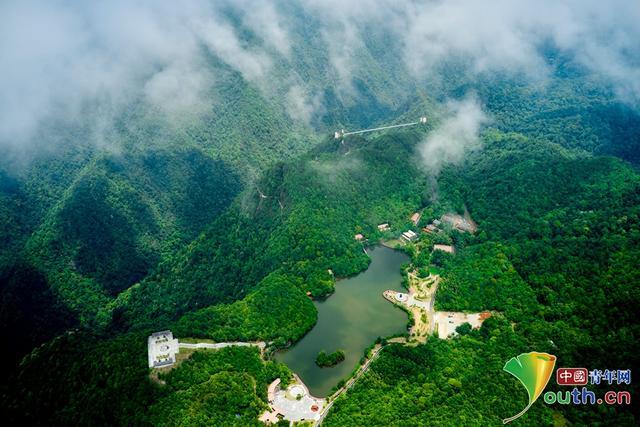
point(342, 133)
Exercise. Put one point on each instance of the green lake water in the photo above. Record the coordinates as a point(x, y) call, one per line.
point(350, 319)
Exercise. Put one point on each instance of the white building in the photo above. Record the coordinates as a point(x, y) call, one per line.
point(409, 235)
point(162, 349)
point(383, 227)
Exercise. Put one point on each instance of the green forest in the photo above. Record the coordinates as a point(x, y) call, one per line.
point(326, 360)
point(234, 223)
point(570, 225)
point(534, 267)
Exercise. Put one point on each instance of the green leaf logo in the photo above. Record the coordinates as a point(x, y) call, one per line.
point(533, 370)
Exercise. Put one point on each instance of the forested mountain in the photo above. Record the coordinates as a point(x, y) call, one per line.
point(176, 168)
point(96, 206)
point(546, 259)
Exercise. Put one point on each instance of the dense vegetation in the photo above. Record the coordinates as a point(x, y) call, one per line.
point(30, 313)
point(448, 383)
point(325, 360)
point(121, 216)
point(222, 226)
point(303, 230)
point(14, 220)
point(276, 310)
point(481, 277)
point(554, 256)
point(78, 379)
point(226, 387)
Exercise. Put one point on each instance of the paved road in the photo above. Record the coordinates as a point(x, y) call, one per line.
point(217, 345)
point(363, 369)
point(431, 311)
point(427, 306)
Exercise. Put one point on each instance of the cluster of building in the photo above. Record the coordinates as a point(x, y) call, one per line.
point(456, 221)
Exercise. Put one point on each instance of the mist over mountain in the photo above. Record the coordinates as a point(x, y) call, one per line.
point(169, 165)
point(60, 58)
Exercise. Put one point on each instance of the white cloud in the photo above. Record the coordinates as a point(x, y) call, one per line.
point(178, 90)
point(492, 35)
point(456, 135)
point(263, 17)
point(505, 35)
point(221, 38)
point(56, 56)
point(300, 106)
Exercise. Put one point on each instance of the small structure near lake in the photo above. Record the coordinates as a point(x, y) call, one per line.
point(415, 218)
point(433, 227)
point(400, 297)
point(162, 348)
point(430, 228)
point(294, 403)
point(409, 235)
point(384, 227)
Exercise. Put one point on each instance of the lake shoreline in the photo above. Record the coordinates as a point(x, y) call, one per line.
point(353, 318)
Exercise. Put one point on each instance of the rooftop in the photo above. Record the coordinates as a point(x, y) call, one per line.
point(161, 349)
point(446, 248)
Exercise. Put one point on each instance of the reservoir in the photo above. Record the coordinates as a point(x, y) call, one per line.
point(350, 319)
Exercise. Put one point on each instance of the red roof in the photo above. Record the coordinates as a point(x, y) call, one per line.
point(485, 315)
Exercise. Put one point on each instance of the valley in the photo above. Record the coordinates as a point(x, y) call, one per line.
point(353, 213)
